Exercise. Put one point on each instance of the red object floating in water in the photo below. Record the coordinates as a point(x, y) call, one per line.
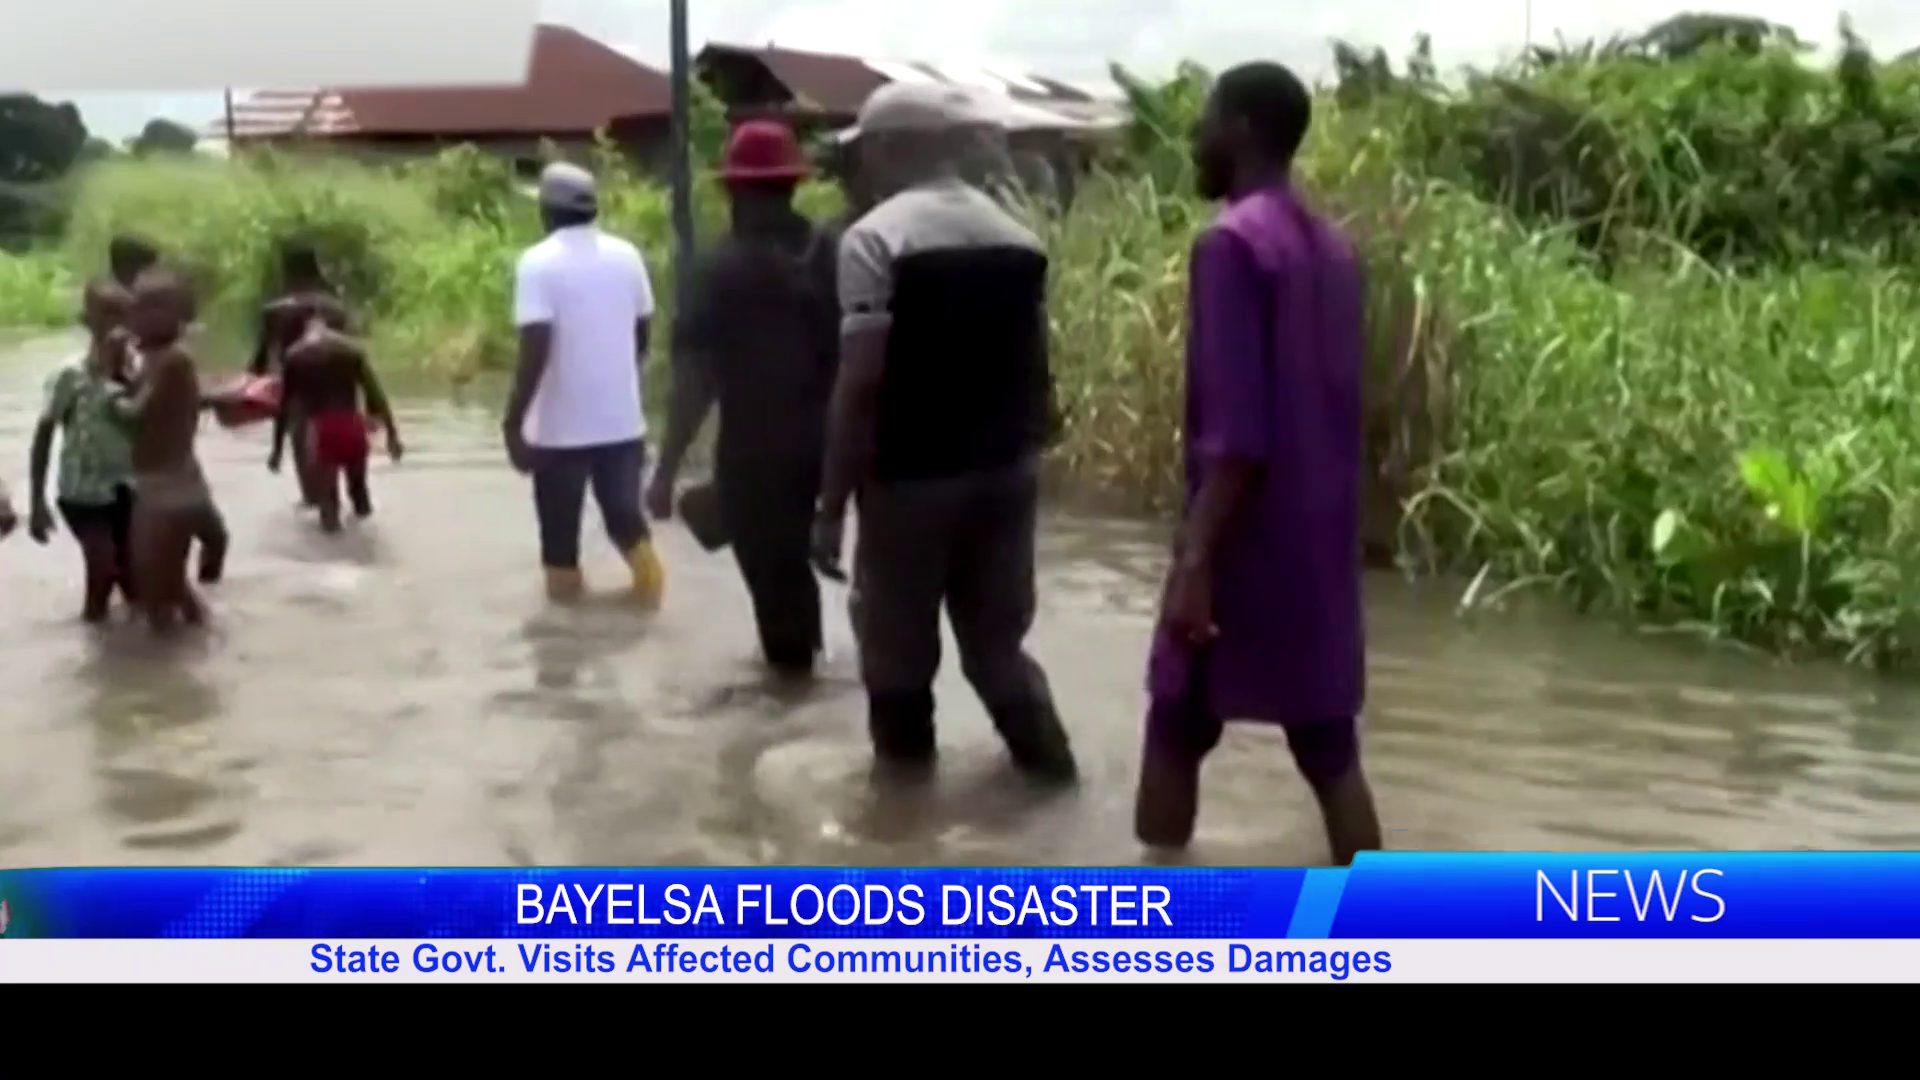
point(249, 400)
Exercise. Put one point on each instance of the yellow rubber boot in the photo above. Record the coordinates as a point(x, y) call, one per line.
point(565, 586)
point(649, 576)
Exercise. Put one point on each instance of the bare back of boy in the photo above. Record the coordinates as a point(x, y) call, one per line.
point(283, 323)
point(329, 380)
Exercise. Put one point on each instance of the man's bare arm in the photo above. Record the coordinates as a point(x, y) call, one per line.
point(536, 346)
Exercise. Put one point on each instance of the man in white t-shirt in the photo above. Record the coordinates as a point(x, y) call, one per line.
point(583, 303)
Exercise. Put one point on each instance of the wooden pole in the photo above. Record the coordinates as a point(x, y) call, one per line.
point(682, 166)
point(230, 143)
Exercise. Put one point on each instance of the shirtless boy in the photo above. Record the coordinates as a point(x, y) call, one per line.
point(325, 377)
point(283, 322)
point(172, 502)
point(129, 256)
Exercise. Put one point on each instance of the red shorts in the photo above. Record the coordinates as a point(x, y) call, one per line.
point(338, 439)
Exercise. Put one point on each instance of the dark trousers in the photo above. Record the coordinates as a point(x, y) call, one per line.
point(767, 507)
point(967, 544)
point(560, 481)
point(104, 532)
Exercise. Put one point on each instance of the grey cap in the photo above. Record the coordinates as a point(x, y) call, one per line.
point(923, 107)
point(568, 187)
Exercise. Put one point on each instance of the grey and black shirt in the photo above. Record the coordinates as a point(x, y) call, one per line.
point(961, 287)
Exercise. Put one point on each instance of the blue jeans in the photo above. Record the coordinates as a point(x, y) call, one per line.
point(560, 479)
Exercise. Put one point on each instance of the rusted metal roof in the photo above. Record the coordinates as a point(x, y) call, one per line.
point(574, 86)
point(838, 85)
point(819, 82)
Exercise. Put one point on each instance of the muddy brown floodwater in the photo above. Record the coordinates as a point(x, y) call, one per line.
point(402, 696)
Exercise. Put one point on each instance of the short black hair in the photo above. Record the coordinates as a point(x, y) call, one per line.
point(100, 291)
point(565, 218)
point(164, 285)
point(300, 261)
point(1273, 102)
point(131, 253)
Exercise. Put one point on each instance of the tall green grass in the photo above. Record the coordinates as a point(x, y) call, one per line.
point(426, 250)
point(36, 291)
point(1724, 447)
point(1721, 436)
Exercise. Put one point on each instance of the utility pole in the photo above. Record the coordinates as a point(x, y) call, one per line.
point(230, 141)
point(682, 167)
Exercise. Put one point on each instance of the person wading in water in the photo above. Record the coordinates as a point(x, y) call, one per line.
point(584, 304)
point(1261, 618)
point(128, 257)
point(762, 339)
point(329, 379)
point(304, 288)
point(96, 452)
point(942, 406)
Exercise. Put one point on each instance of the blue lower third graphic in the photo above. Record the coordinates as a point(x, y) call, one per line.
point(1383, 897)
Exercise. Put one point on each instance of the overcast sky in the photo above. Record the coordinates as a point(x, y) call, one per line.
point(1074, 39)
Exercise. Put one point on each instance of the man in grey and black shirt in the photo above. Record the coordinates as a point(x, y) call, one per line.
point(939, 415)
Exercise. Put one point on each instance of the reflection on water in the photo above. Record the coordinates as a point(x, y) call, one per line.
point(401, 695)
point(163, 783)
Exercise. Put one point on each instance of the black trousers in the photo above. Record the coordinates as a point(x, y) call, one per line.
point(560, 481)
point(766, 506)
point(965, 544)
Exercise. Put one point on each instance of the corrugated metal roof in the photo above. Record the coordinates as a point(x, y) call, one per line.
point(574, 85)
point(841, 84)
point(823, 82)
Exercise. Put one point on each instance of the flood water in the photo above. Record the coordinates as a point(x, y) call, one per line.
point(402, 695)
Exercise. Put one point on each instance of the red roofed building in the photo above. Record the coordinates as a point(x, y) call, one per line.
point(576, 86)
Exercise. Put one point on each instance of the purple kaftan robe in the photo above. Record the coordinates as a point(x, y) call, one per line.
point(1274, 373)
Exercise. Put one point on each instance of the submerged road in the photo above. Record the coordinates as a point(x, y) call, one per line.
point(402, 695)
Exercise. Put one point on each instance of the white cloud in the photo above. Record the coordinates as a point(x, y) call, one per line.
point(199, 44)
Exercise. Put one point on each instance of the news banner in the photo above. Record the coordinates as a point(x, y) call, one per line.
point(1390, 918)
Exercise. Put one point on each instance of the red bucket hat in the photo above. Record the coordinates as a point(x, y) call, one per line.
point(763, 150)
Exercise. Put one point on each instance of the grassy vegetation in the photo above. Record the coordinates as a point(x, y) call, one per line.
point(1645, 330)
point(36, 291)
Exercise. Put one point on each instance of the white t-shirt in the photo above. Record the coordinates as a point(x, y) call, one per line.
point(591, 288)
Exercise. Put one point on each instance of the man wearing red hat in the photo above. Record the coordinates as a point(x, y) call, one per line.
point(761, 340)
